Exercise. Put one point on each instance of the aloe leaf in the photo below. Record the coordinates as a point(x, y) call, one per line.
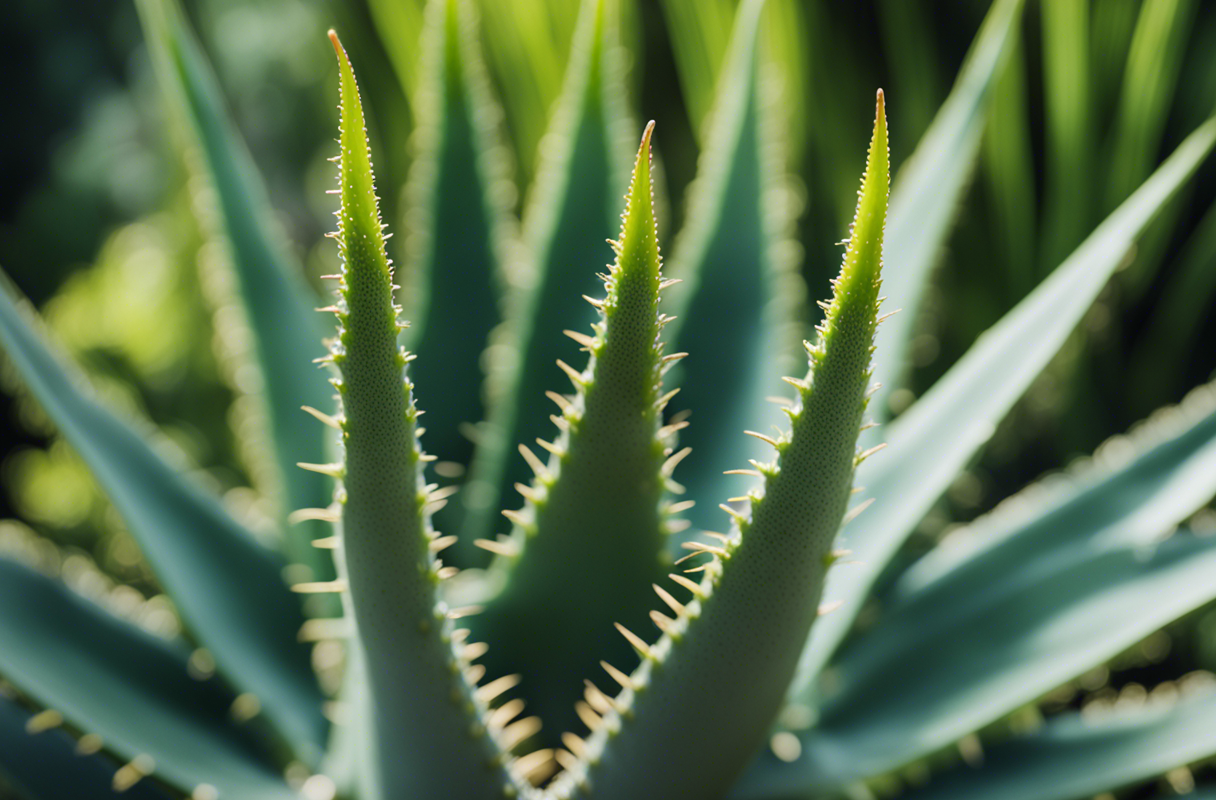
point(700, 33)
point(906, 693)
point(1069, 105)
point(46, 766)
point(692, 715)
point(572, 209)
point(736, 308)
point(600, 498)
point(932, 441)
point(277, 303)
point(1072, 757)
point(106, 677)
point(928, 190)
point(400, 24)
point(1137, 487)
point(456, 235)
point(420, 706)
point(228, 588)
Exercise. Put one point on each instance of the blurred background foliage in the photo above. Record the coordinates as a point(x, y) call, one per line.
point(99, 216)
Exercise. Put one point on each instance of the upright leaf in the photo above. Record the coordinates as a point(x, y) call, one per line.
point(586, 545)
point(277, 303)
point(457, 232)
point(227, 587)
point(571, 210)
point(736, 308)
point(928, 190)
point(692, 715)
point(428, 737)
point(932, 441)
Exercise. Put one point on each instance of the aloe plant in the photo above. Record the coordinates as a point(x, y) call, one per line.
point(655, 656)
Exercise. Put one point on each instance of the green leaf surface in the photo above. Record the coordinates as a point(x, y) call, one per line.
point(46, 766)
point(278, 305)
point(926, 194)
point(456, 231)
point(735, 311)
point(932, 441)
point(227, 587)
point(688, 720)
point(907, 692)
point(107, 677)
point(1071, 758)
point(1137, 488)
point(572, 209)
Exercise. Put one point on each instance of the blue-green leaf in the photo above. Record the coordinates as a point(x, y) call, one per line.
point(927, 191)
point(277, 303)
point(735, 310)
point(46, 766)
point(907, 692)
point(107, 677)
point(932, 441)
point(1072, 758)
point(228, 587)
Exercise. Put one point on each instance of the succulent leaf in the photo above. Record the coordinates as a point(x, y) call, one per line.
point(105, 677)
point(1072, 757)
point(47, 765)
point(928, 190)
point(601, 504)
point(936, 437)
point(571, 210)
point(277, 303)
point(735, 310)
point(457, 237)
point(692, 716)
point(418, 698)
point(228, 588)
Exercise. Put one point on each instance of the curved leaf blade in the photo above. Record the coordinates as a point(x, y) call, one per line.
point(228, 588)
point(109, 678)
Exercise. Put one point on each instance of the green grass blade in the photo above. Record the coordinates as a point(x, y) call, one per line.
point(928, 190)
point(428, 735)
point(228, 588)
point(277, 303)
point(1009, 168)
point(46, 766)
point(572, 209)
point(456, 238)
point(1071, 757)
point(1136, 487)
point(105, 676)
point(908, 692)
point(694, 713)
point(736, 308)
point(932, 441)
point(1069, 105)
point(600, 499)
point(1150, 80)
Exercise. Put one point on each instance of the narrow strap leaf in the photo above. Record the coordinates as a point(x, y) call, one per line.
point(423, 711)
point(227, 587)
point(1072, 757)
point(692, 716)
point(103, 676)
point(601, 502)
point(277, 303)
point(46, 765)
point(571, 210)
point(932, 441)
point(927, 193)
point(735, 309)
point(457, 237)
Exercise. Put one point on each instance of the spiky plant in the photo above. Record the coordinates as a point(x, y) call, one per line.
point(743, 690)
